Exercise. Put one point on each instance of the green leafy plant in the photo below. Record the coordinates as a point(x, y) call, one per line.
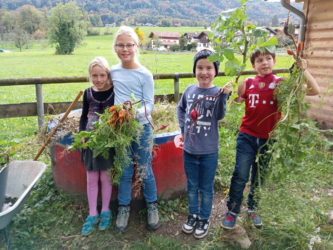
point(249, 37)
point(112, 130)
point(8, 148)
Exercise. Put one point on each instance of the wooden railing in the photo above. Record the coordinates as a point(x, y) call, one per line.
point(40, 108)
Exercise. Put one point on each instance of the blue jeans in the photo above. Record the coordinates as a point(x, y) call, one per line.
point(246, 150)
point(200, 173)
point(143, 156)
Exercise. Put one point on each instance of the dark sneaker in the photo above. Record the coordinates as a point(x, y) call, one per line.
point(153, 218)
point(88, 226)
point(202, 229)
point(229, 220)
point(122, 219)
point(255, 218)
point(105, 220)
point(190, 224)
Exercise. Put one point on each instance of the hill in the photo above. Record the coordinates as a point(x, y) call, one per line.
point(153, 11)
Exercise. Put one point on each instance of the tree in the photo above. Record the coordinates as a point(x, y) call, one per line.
point(275, 21)
point(174, 47)
point(157, 42)
point(4, 38)
point(18, 36)
point(29, 18)
point(68, 26)
point(195, 24)
point(182, 42)
point(141, 35)
point(291, 29)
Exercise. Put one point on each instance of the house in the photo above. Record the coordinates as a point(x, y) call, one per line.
point(149, 24)
point(318, 44)
point(166, 38)
point(204, 41)
point(110, 25)
point(177, 25)
point(192, 37)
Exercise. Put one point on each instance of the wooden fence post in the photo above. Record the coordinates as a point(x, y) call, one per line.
point(176, 88)
point(40, 105)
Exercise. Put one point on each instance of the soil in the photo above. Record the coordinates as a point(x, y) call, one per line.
point(173, 228)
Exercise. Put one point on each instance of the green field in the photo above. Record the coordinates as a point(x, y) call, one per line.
point(34, 62)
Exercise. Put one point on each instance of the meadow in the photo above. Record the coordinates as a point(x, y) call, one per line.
point(294, 201)
point(34, 62)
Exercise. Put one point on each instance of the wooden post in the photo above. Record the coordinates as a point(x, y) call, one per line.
point(40, 105)
point(176, 88)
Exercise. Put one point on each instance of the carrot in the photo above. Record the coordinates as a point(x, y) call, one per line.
point(114, 124)
point(122, 113)
point(290, 52)
point(299, 48)
point(113, 108)
point(121, 119)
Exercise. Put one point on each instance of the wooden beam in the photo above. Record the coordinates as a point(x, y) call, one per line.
point(75, 79)
point(30, 109)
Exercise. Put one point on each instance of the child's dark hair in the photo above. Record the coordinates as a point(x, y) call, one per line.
point(257, 53)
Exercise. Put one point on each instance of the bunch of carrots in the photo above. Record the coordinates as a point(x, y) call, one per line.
point(120, 116)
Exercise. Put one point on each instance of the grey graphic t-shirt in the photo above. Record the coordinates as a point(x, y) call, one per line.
point(204, 133)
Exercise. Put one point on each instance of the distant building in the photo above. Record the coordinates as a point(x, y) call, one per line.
point(204, 41)
point(166, 38)
point(110, 25)
point(149, 24)
point(192, 37)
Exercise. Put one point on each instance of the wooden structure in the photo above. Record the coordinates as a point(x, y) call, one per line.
point(40, 108)
point(318, 52)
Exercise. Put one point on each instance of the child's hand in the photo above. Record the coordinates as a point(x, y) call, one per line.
point(227, 87)
point(83, 142)
point(140, 113)
point(301, 63)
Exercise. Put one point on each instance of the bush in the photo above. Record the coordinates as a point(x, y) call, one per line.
point(174, 47)
point(93, 32)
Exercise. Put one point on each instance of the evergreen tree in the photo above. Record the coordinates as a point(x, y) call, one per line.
point(275, 21)
point(182, 42)
point(68, 26)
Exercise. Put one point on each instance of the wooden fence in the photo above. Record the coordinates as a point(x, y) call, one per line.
point(40, 108)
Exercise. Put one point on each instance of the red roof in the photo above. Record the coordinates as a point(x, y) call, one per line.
point(164, 34)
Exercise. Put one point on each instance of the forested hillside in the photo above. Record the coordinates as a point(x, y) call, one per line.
point(154, 11)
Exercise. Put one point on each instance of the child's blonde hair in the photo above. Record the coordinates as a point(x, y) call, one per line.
point(126, 30)
point(103, 63)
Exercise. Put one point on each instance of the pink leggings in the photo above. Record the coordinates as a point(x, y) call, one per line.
point(92, 190)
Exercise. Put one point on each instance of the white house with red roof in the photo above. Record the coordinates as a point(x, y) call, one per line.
point(166, 38)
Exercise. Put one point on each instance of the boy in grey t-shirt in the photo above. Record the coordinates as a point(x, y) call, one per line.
point(201, 141)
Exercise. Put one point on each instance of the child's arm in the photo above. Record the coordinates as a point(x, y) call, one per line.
point(181, 113)
point(240, 91)
point(310, 86)
point(84, 115)
point(220, 107)
point(148, 96)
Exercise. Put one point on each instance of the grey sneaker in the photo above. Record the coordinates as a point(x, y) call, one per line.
point(122, 219)
point(153, 218)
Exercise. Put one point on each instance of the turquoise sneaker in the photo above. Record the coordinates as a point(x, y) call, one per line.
point(88, 226)
point(105, 220)
point(255, 218)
